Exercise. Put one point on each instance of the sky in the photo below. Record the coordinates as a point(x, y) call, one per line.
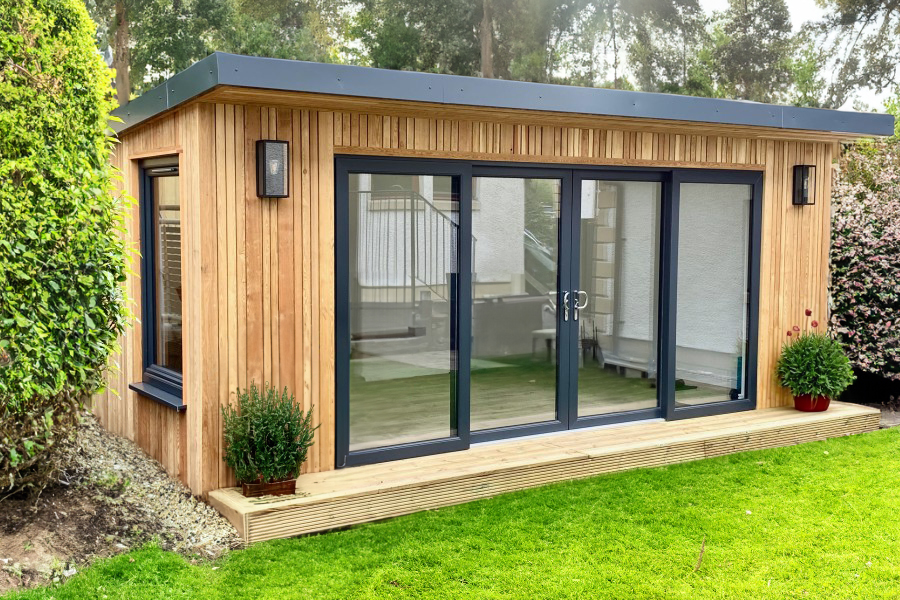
point(802, 11)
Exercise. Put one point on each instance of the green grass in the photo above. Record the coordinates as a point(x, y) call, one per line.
point(822, 523)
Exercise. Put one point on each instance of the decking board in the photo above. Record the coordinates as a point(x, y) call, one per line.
point(373, 492)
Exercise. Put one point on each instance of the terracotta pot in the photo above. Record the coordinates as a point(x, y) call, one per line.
point(275, 488)
point(807, 403)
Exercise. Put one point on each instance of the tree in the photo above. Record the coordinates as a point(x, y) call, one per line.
point(531, 37)
point(428, 35)
point(667, 42)
point(809, 86)
point(753, 61)
point(861, 39)
point(152, 40)
point(61, 223)
point(486, 34)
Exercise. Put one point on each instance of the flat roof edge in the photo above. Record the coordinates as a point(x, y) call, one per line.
point(345, 80)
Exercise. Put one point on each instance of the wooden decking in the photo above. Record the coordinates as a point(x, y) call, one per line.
point(369, 493)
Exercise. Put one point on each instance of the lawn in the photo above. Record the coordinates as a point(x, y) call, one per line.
point(813, 521)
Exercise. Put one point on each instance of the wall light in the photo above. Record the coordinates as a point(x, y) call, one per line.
point(272, 167)
point(804, 185)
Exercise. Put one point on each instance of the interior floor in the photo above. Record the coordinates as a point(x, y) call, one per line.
point(408, 398)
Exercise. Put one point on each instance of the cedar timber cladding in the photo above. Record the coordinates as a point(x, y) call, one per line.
point(259, 273)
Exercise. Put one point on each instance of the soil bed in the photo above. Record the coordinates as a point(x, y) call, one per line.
point(877, 392)
point(111, 497)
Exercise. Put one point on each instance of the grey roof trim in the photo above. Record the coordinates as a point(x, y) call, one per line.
point(298, 76)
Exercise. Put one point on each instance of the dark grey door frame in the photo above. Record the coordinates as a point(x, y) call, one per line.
point(571, 176)
point(462, 171)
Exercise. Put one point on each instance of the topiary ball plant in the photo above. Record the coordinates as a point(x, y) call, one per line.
point(813, 366)
point(267, 436)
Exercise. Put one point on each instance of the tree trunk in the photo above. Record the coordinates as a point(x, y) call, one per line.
point(487, 41)
point(122, 55)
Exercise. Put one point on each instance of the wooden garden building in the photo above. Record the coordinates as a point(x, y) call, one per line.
point(477, 285)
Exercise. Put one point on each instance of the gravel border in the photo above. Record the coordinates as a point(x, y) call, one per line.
point(182, 523)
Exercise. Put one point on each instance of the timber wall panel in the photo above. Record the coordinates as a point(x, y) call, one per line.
point(160, 431)
point(260, 272)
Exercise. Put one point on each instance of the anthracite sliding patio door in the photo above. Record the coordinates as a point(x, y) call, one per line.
point(476, 301)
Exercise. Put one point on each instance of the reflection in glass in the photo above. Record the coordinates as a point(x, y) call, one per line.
point(404, 232)
point(515, 223)
point(619, 275)
point(167, 226)
point(711, 328)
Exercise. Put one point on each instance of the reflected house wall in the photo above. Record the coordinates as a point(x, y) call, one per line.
point(385, 263)
point(711, 281)
point(620, 272)
point(504, 315)
point(499, 265)
point(403, 245)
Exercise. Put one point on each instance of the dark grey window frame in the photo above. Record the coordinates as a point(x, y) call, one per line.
point(157, 382)
point(571, 176)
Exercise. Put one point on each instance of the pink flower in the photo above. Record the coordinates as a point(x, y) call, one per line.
point(815, 323)
point(796, 328)
point(808, 313)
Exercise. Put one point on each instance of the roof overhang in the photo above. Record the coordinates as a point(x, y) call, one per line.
point(221, 69)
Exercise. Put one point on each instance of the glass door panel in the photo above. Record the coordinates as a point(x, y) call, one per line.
point(713, 293)
point(515, 275)
point(403, 267)
point(618, 277)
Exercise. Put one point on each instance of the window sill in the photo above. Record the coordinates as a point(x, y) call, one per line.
point(165, 398)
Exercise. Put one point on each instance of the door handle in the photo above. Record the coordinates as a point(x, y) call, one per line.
point(565, 304)
point(580, 306)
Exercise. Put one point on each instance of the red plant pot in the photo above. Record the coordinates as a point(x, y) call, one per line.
point(808, 403)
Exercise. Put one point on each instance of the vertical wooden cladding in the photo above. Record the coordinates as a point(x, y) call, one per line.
point(360, 133)
point(794, 258)
point(159, 430)
point(259, 273)
point(267, 311)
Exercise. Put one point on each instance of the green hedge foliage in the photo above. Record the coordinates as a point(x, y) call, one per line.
point(62, 258)
point(865, 256)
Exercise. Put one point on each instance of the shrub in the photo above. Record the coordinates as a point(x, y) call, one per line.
point(813, 363)
point(62, 259)
point(267, 436)
point(865, 257)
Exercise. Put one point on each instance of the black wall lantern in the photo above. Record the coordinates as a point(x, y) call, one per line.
point(804, 185)
point(272, 166)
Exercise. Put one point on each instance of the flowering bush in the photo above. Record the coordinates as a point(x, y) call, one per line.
point(865, 257)
point(813, 363)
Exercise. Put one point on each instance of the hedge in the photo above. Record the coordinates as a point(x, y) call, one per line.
point(865, 257)
point(62, 259)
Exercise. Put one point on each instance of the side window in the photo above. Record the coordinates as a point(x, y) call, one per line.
point(162, 290)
